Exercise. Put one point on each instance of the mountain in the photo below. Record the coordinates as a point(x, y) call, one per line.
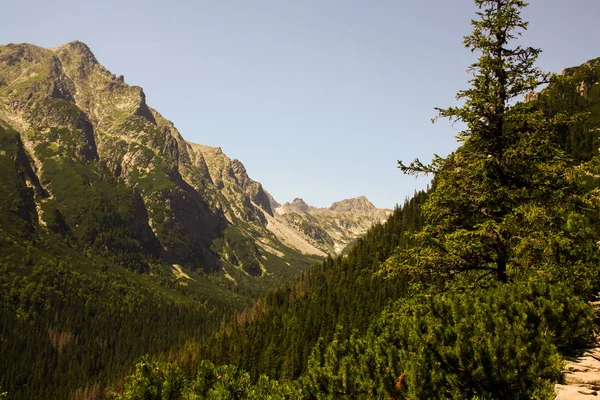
point(575, 90)
point(297, 205)
point(332, 229)
point(357, 205)
point(187, 204)
point(102, 160)
point(118, 238)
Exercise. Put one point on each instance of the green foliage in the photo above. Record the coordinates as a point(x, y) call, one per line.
point(239, 250)
point(16, 199)
point(500, 203)
point(494, 343)
point(84, 321)
point(154, 381)
point(158, 381)
point(500, 342)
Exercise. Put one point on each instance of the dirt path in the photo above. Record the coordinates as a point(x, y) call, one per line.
point(581, 377)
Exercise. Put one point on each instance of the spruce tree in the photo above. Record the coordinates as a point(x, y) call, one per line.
point(500, 202)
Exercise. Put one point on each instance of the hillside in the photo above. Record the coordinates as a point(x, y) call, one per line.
point(345, 291)
point(188, 204)
point(79, 124)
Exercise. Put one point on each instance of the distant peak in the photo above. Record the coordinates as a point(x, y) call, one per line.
point(354, 205)
point(297, 205)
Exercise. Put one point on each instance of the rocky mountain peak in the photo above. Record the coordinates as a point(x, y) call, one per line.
point(78, 59)
point(77, 48)
point(356, 205)
point(297, 205)
point(300, 204)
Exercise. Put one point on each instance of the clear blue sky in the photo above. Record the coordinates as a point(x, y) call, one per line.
point(318, 98)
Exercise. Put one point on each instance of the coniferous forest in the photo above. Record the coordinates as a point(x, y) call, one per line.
point(478, 287)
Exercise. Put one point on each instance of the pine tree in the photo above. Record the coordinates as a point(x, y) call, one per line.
point(498, 203)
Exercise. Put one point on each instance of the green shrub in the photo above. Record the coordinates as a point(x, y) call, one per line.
point(154, 381)
point(161, 381)
point(500, 342)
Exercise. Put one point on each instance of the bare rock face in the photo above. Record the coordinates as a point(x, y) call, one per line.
point(252, 188)
point(272, 202)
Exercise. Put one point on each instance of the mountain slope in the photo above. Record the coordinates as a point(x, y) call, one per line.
point(72, 316)
point(277, 335)
point(576, 90)
point(180, 202)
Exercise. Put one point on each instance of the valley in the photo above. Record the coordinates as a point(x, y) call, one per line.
point(136, 264)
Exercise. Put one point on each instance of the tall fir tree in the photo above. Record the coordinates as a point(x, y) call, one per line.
point(499, 203)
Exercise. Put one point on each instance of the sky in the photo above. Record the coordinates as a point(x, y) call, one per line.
point(318, 98)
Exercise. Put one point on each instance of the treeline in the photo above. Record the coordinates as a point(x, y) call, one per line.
point(576, 92)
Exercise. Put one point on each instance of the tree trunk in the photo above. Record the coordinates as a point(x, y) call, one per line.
point(501, 269)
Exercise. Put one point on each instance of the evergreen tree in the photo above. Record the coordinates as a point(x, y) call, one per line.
point(498, 202)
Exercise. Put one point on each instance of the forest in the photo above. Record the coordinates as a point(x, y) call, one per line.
point(477, 288)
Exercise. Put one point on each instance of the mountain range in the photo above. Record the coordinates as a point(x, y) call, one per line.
point(93, 150)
